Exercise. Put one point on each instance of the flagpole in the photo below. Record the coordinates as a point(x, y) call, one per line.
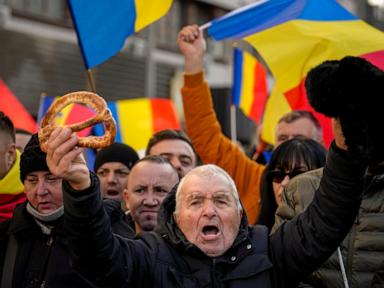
point(91, 80)
point(233, 124)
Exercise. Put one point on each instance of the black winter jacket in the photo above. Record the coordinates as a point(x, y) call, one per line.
point(166, 259)
point(44, 260)
point(41, 260)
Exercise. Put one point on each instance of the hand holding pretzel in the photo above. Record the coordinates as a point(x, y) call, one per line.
point(91, 100)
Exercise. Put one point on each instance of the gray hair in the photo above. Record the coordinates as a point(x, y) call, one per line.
point(209, 171)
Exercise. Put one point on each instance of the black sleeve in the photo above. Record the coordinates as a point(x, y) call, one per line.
point(299, 246)
point(98, 255)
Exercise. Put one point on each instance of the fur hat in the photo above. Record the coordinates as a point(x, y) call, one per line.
point(32, 159)
point(351, 89)
point(117, 152)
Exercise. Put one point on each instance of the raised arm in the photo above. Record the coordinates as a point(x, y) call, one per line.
point(204, 129)
point(97, 254)
point(301, 245)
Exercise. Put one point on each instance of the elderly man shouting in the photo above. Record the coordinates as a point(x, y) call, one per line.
point(203, 239)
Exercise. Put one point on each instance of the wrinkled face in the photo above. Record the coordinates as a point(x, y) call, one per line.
point(7, 155)
point(148, 185)
point(178, 152)
point(113, 179)
point(207, 213)
point(300, 127)
point(43, 191)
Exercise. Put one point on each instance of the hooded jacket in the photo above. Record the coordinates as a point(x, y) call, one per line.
point(166, 259)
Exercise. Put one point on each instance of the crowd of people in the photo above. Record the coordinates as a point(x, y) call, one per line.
point(195, 211)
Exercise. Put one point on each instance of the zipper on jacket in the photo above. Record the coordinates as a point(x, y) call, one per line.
point(351, 249)
point(213, 273)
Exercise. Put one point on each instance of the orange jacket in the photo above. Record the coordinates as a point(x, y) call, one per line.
point(213, 147)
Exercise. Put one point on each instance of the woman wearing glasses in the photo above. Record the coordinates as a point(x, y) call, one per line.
point(289, 159)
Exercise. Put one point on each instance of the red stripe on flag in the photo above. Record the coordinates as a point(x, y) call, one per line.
point(260, 93)
point(164, 115)
point(78, 114)
point(376, 58)
point(298, 100)
point(13, 108)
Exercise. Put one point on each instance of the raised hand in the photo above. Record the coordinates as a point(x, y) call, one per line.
point(65, 159)
point(192, 44)
point(338, 133)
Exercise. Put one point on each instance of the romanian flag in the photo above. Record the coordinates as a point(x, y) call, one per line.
point(73, 113)
point(137, 119)
point(293, 36)
point(103, 25)
point(249, 91)
point(13, 108)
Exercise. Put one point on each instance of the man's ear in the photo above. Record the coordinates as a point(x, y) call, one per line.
point(11, 155)
point(175, 218)
point(126, 197)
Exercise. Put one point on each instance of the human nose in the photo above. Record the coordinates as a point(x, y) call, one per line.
point(151, 200)
point(42, 188)
point(111, 177)
point(209, 209)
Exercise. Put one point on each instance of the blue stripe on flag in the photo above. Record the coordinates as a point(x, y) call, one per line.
point(266, 14)
point(237, 76)
point(102, 27)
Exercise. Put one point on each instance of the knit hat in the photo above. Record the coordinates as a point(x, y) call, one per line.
point(117, 152)
point(32, 159)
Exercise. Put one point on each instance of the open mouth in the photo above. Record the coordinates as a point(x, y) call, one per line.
point(112, 192)
point(210, 230)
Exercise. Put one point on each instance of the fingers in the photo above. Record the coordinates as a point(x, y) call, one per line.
point(189, 33)
point(338, 133)
point(61, 142)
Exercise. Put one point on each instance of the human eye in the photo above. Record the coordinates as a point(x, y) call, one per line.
point(185, 161)
point(221, 201)
point(101, 173)
point(195, 202)
point(139, 190)
point(161, 190)
point(51, 179)
point(31, 180)
point(122, 173)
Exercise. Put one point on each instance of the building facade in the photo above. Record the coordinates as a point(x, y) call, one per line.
point(39, 53)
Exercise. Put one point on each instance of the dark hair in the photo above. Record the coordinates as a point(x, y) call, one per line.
point(6, 126)
point(299, 114)
point(297, 150)
point(169, 134)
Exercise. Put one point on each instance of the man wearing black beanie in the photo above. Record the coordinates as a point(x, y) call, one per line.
point(112, 166)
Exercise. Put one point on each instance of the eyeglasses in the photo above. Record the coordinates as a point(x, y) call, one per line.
point(278, 176)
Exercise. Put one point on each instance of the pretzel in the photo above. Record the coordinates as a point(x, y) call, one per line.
point(92, 100)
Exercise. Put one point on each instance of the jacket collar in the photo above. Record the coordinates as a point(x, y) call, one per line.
point(169, 230)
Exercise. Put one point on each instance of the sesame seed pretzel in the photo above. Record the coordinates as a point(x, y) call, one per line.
point(92, 100)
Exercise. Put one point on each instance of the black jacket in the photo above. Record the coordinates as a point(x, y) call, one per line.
point(166, 259)
point(44, 260)
point(41, 260)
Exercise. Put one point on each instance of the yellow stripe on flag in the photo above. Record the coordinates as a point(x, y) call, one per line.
point(148, 11)
point(309, 43)
point(276, 107)
point(61, 117)
point(133, 132)
point(248, 85)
